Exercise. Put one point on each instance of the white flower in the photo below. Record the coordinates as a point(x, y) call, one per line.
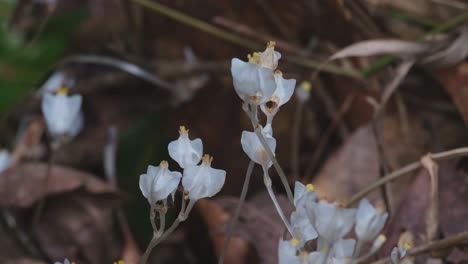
point(369, 221)
point(303, 91)
point(63, 113)
point(254, 149)
point(287, 254)
point(331, 222)
point(303, 194)
point(56, 80)
point(66, 261)
point(302, 228)
point(283, 92)
point(5, 160)
point(185, 151)
point(343, 248)
point(159, 182)
point(203, 181)
point(254, 81)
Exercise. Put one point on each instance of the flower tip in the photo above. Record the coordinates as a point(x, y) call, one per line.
point(62, 90)
point(407, 246)
point(271, 44)
point(310, 187)
point(306, 86)
point(164, 164)
point(183, 130)
point(294, 241)
point(207, 159)
point(382, 238)
point(254, 58)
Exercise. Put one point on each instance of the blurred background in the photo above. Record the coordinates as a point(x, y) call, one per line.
point(146, 67)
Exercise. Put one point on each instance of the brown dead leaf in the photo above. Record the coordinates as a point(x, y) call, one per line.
point(455, 82)
point(258, 229)
point(78, 226)
point(21, 186)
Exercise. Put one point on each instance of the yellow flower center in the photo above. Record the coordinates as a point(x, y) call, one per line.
point(183, 130)
point(310, 187)
point(294, 241)
point(254, 58)
point(62, 90)
point(306, 86)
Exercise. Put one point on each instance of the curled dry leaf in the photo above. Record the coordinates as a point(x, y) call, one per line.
point(394, 47)
point(21, 186)
point(454, 52)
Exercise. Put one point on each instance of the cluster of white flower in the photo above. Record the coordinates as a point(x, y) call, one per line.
point(63, 114)
point(260, 85)
point(328, 224)
point(198, 181)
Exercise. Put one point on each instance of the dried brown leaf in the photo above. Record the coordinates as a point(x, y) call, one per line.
point(394, 47)
point(454, 53)
point(432, 215)
point(21, 186)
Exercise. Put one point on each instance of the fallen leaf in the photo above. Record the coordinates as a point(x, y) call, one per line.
point(23, 185)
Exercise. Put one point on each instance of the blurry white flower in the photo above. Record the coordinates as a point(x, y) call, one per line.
point(66, 261)
point(302, 228)
point(303, 194)
point(254, 149)
point(159, 182)
point(303, 91)
point(63, 113)
point(203, 181)
point(185, 151)
point(283, 92)
point(55, 81)
point(287, 254)
point(343, 248)
point(369, 221)
point(378, 243)
point(5, 160)
point(253, 80)
point(331, 222)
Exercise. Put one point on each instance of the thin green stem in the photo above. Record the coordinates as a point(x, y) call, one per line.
point(450, 154)
point(162, 222)
point(233, 223)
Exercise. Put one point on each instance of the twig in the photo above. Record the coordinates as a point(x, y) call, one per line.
point(232, 226)
point(235, 39)
point(450, 154)
point(435, 245)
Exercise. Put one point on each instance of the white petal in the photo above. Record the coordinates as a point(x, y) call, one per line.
point(252, 80)
point(369, 222)
point(203, 181)
point(287, 253)
point(284, 89)
point(185, 151)
point(61, 113)
point(302, 227)
point(343, 248)
point(158, 183)
point(254, 149)
point(331, 222)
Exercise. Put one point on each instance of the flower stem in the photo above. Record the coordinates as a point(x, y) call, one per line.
point(184, 212)
point(267, 181)
point(233, 223)
point(271, 156)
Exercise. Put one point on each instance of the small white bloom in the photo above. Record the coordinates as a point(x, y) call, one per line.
point(302, 228)
point(283, 93)
point(303, 194)
point(203, 181)
point(253, 80)
point(369, 221)
point(63, 113)
point(287, 254)
point(331, 222)
point(159, 182)
point(303, 91)
point(254, 149)
point(343, 248)
point(5, 160)
point(55, 81)
point(185, 151)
